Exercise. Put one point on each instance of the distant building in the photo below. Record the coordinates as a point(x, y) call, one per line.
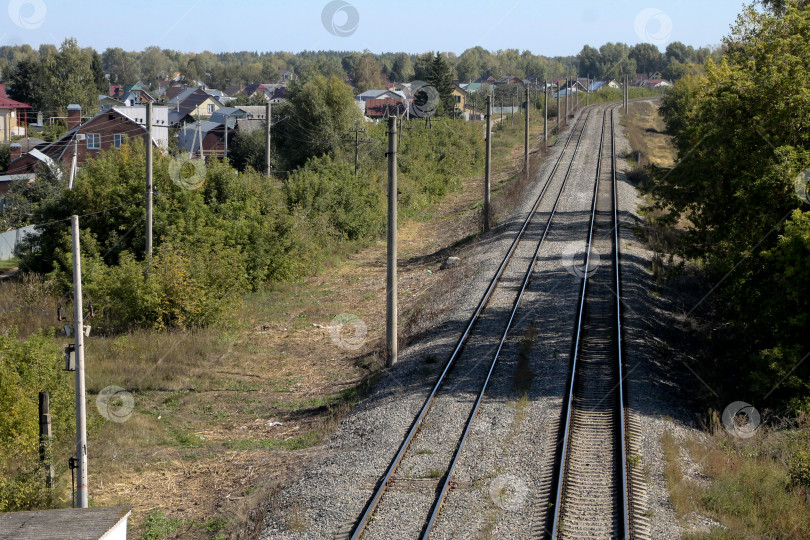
point(10, 111)
point(107, 130)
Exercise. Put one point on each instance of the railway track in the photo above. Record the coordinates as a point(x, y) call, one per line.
point(464, 372)
point(590, 498)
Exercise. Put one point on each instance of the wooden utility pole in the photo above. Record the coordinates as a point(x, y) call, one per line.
point(488, 166)
point(526, 138)
point(545, 112)
point(78, 332)
point(45, 438)
point(267, 123)
point(149, 180)
point(391, 284)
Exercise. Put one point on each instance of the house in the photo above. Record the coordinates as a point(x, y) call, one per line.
point(385, 107)
point(78, 523)
point(209, 135)
point(107, 102)
point(286, 75)
point(460, 98)
point(10, 116)
point(178, 94)
point(565, 89)
point(131, 94)
point(486, 80)
point(512, 80)
point(106, 130)
point(659, 84)
point(197, 105)
point(379, 94)
point(595, 86)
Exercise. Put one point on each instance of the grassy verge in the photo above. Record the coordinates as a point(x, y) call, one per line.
point(745, 485)
point(9, 264)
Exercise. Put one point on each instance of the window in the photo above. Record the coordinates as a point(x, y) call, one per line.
point(93, 141)
point(210, 109)
point(117, 140)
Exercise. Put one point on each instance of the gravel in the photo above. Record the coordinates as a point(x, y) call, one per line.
point(504, 469)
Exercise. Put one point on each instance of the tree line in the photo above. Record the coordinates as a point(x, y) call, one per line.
point(741, 183)
point(50, 77)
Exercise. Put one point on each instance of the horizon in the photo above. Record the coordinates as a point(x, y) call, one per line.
point(343, 26)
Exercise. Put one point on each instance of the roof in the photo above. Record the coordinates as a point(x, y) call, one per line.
point(8, 103)
point(187, 139)
point(375, 94)
point(183, 95)
point(73, 523)
point(231, 113)
point(596, 85)
point(254, 112)
point(193, 101)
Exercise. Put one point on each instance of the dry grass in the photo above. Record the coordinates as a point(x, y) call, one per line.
point(645, 130)
point(743, 484)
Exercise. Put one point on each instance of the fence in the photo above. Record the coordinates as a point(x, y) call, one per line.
point(11, 239)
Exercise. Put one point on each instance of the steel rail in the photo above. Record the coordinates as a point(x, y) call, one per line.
point(448, 477)
point(619, 365)
point(368, 511)
point(578, 335)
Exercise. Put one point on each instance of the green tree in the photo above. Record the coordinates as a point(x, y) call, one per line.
point(422, 66)
point(319, 115)
point(368, 74)
point(742, 149)
point(590, 61)
point(97, 65)
point(401, 68)
point(647, 57)
point(121, 65)
point(68, 78)
point(441, 78)
point(27, 83)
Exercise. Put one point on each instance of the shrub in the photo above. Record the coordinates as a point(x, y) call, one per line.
point(29, 367)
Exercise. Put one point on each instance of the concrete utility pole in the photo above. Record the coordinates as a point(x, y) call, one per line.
point(587, 89)
point(74, 161)
point(78, 332)
point(268, 119)
point(567, 98)
point(545, 112)
point(227, 116)
point(526, 138)
point(488, 166)
point(45, 438)
point(391, 284)
point(558, 106)
point(149, 180)
point(357, 141)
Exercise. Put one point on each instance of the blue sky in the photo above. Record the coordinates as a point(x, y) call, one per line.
point(550, 28)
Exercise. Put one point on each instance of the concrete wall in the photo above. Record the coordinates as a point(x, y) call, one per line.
point(9, 241)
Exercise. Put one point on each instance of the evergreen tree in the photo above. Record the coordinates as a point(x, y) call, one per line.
point(441, 78)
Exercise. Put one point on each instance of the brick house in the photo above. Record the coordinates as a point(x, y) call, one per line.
point(106, 130)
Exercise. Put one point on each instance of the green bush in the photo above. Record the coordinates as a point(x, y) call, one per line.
point(29, 367)
point(352, 206)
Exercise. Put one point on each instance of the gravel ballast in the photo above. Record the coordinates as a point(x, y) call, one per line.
point(504, 468)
